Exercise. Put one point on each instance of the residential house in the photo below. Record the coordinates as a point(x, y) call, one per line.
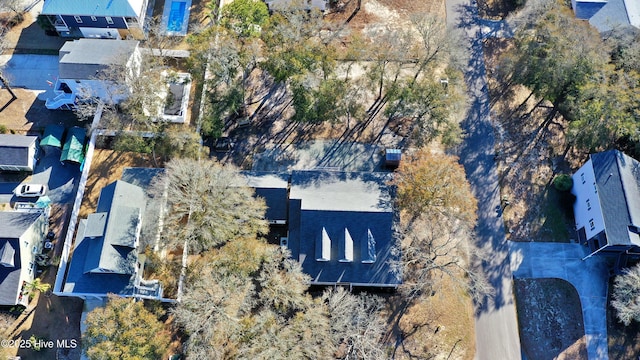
point(607, 15)
point(104, 19)
point(607, 206)
point(341, 228)
point(274, 189)
point(84, 68)
point(18, 152)
point(106, 257)
point(21, 238)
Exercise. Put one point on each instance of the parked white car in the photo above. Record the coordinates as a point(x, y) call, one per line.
point(30, 190)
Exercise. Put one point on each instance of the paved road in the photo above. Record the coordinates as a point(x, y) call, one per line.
point(497, 335)
point(589, 277)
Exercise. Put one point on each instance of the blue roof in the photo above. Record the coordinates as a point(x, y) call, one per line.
point(618, 185)
point(273, 188)
point(115, 8)
point(585, 10)
point(107, 241)
point(351, 215)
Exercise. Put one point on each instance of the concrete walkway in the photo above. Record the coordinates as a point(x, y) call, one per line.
point(589, 277)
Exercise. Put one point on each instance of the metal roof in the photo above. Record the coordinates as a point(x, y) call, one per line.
point(114, 8)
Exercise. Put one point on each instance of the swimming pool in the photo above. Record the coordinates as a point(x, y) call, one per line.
point(176, 16)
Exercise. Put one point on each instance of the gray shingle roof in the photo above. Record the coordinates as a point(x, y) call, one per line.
point(84, 58)
point(352, 214)
point(616, 13)
point(14, 149)
point(110, 257)
point(12, 226)
point(618, 184)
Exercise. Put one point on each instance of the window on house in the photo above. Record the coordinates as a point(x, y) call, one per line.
point(595, 188)
point(93, 18)
point(592, 224)
point(582, 178)
point(78, 19)
point(588, 204)
point(109, 20)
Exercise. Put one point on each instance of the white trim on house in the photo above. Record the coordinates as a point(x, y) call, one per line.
point(587, 209)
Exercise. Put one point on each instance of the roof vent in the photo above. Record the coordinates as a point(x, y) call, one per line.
point(323, 246)
point(346, 247)
point(7, 253)
point(369, 249)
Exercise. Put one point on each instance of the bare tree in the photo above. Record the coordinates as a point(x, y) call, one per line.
point(357, 325)
point(626, 291)
point(207, 205)
point(437, 246)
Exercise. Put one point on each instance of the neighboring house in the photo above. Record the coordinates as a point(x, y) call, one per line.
point(21, 238)
point(607, 206)
point(106, 257)
point(83, 69)
point(18, 152)
point(105, 19)
point(607, 15)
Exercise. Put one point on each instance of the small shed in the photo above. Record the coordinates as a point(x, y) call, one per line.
point(392, 158)
point(18, 152)
point(53, 135)
point(73, 149)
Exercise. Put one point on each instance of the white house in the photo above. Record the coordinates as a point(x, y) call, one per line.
point(104, 19)
point(84, 67)
point(607, 206)
point(21, 238)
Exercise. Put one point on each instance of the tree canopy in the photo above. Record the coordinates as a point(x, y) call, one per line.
point(437, 184)
point(208, 204)
point(124, 330)
point(626, 292)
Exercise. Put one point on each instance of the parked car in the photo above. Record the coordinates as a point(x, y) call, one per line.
point(30, 190)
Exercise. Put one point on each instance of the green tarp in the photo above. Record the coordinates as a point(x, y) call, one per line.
point(52, 136)
point(73, 149)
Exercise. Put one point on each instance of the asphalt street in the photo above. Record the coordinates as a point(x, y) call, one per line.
point(497, 336)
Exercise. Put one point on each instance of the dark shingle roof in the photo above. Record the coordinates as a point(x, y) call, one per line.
point(618, 184)
point(84, 58)
point(272, 187)
point(352, 213)
point(14, 149)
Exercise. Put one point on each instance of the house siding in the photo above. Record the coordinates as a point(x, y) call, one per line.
point(101, 22)
point(587, 208)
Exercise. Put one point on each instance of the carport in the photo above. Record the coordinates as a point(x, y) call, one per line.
point(73, 149)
